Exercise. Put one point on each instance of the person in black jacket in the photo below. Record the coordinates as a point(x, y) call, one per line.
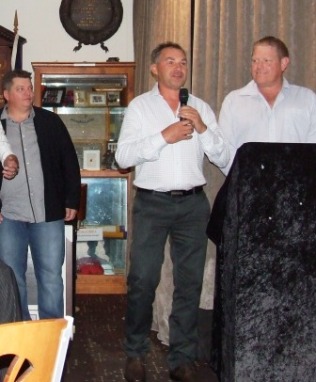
point(10, 307)
point(42, 196)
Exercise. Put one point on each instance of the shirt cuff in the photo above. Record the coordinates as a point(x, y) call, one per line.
point(5, 155)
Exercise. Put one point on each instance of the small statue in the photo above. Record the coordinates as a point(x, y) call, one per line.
point(108, 159)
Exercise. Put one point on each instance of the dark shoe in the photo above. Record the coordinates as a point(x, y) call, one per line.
point(205, 373)
point(135, 369)
point(185, 373)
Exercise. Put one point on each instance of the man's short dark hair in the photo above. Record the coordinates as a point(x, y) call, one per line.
point(276, 43)
point(169, 44)
point(7, 80)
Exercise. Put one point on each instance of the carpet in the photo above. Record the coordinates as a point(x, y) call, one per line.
point(96, 352)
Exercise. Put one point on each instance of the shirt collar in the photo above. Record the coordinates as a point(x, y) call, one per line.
point(5, 114)
point(155, 90)
point(251, 88)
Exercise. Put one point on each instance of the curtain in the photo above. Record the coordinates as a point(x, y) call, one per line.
point(157, 21)
point(223, 34)
point(218, 37)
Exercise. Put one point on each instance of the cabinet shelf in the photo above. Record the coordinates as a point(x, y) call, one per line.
point(101, 284)
point(92, 98)
point(103, 81)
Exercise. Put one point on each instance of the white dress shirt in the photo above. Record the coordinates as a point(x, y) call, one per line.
point(161, 166)
point(5, 148)
point(246, 116)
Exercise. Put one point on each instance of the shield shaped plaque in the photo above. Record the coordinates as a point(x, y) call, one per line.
point(91, 21)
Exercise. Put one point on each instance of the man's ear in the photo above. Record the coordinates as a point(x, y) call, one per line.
point(284, 63)
point(5, 95)
point(153, 70)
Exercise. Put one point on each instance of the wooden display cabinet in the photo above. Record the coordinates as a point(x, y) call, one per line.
point(91, 99)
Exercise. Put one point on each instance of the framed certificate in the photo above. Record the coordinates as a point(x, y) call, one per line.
point(91, 160)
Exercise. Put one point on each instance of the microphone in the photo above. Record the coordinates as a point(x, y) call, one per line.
point(183, 97)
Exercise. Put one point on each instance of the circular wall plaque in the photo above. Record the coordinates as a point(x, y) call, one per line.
point(91, 21)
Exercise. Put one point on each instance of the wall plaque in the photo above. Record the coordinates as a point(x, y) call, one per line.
point(91, 21)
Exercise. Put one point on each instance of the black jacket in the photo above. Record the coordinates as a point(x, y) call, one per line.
point(59, 162)
point(9, 296)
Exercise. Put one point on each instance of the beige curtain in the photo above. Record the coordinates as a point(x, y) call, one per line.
point(218, 36)
point(224, 31)
point(156, 21)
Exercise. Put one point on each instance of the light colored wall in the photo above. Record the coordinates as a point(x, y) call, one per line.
point(47, 40)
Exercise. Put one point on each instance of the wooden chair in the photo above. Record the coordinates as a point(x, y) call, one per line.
point(38, 349)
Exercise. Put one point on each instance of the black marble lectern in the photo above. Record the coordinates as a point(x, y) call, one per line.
point(265, 303)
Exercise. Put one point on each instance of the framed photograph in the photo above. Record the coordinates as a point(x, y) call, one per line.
point(53, 96)
point(91, 160)
point(80, 98)
point(113, 98)
point(97, 99)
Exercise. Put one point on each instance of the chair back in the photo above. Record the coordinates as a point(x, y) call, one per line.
point(38, 349)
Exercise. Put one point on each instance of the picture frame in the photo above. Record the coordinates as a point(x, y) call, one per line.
point(80, 147)
point(53, 97)
point(91, 160)
point(97, 99)
point(113, 98)
point(80, 98)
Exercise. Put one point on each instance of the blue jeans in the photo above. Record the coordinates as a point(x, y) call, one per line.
point(184, 219)
point(47, 244)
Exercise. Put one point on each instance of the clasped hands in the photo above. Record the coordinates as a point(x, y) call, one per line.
point(10, 167)
point(184, 129)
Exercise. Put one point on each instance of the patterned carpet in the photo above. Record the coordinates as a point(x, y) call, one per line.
point(96, 355)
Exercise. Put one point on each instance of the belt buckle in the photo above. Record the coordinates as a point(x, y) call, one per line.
point(177, 193)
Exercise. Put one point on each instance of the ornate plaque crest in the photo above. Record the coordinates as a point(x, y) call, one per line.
point(91, 21)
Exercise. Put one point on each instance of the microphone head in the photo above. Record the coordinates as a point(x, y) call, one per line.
point(183, 96)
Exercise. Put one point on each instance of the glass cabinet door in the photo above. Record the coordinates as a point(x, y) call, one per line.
point(92, 108)
point(106, 210)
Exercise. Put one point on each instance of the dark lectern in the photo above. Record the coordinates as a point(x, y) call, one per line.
point(265, 303)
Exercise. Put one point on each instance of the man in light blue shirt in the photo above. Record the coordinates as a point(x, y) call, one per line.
point(268, 108)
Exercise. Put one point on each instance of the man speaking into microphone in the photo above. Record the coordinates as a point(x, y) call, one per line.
point(165, 134)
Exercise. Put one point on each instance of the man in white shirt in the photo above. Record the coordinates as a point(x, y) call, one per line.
point(167, 152)
point(10, 163)
point(268, 108)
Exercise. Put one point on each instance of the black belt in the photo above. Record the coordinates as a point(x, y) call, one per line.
point(194, 190)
